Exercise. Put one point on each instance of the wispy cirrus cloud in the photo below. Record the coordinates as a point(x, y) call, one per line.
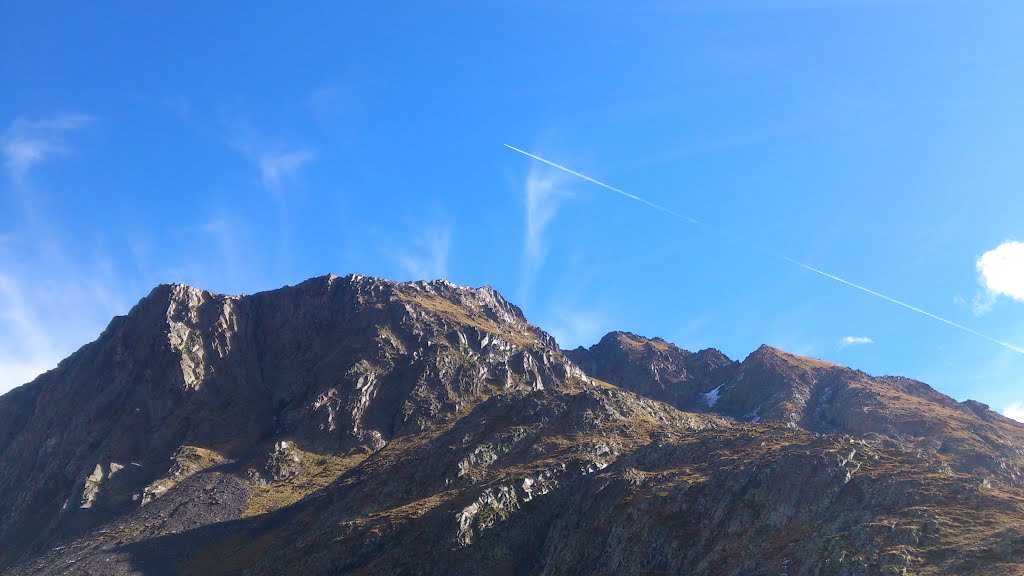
point(54, 295)
point(275, 167)
point(46, 316)
point(848, 341)
point(29, 142)
point(332, 98)
point(1000, 274)
point(276, 163)
point(571, 328)
point(807, 267)
point(543, 192)
point(428, 257)
point(21, 330)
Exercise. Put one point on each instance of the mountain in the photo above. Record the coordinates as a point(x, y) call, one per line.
point(773, 386)
point(360, 426)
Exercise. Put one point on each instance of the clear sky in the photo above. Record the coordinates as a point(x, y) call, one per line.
point(244, 147)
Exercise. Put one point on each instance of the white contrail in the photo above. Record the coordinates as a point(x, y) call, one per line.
point(1008, 345)
point(603, 185)
point(908, 306)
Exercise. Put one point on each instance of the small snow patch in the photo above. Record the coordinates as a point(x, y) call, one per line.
point(711, 398)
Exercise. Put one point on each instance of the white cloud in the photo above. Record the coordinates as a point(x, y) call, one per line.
point(50, 309)
point(429, 259)
point(17, 316)
point(577, 328)
point(277, 166)
point(28, 142)
point(1015, 411)
point(331, 99)
point(544, 191)
point(51, 303)
point(543, 195)
point(1000, 273)
point(225, 235)
point(15, 372)
point(275, 162)
point(27, 350)
point(855, 341)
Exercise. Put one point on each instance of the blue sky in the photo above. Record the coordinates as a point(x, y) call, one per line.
point(241, 149)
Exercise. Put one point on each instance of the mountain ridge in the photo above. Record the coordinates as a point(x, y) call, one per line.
point(436, 412)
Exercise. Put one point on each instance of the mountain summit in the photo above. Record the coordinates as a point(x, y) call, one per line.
point(358, 425)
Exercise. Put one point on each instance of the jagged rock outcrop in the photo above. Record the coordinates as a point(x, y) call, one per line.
point(655, 368)
point(356, 425)
point(772, 385)
point(340, 364)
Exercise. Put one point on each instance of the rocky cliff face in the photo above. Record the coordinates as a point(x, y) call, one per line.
point(189, 379)
point(356, 425)
point(655, 368)
point(774, 386)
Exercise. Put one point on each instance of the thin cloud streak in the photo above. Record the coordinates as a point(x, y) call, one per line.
point(275, 162)
point(275, 167)
point(35, 331)
point(603, 185)
point(671, 212)
point(855, 341)
point(28, 142)
point(53, 297)
point(909, 307)
point(16, 313)
point(430, 262)
point(573, 328)
point(543, 194)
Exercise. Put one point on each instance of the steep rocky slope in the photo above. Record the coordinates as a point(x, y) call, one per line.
point(771, 385)
point(360, 426)
point(655, 368)
point(188, 380)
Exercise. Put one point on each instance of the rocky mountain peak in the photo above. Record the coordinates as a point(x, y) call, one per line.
point(359, 425)
point(339, 364)
point(654, 367)
point(767, 354)
point(631, 341)
point(774, 386)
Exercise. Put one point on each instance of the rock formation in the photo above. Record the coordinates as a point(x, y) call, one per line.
point(357, 425)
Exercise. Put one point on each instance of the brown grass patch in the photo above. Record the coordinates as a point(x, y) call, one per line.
point(461, 315)
point(320, 470)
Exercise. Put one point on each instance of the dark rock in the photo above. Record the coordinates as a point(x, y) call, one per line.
point(356, 425)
